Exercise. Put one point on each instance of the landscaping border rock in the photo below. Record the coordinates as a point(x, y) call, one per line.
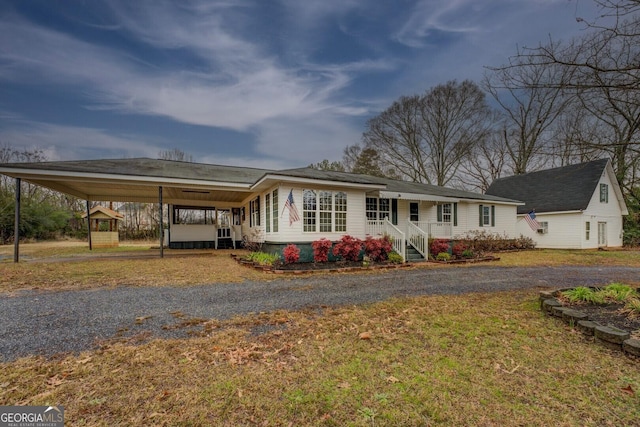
point(610, 337)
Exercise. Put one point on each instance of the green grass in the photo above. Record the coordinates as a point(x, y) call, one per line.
point(612, 293)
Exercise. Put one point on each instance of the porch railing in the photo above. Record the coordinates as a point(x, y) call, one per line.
point(384, 227)
point(437, 230)
point(418, 238)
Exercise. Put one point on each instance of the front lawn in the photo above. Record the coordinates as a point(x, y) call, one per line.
point(473, 360)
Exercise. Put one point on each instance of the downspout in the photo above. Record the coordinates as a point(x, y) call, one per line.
point(161, 223)
point(16, 224)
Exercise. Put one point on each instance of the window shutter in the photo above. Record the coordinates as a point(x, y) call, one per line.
point(258, 210)
point(493, 216)
point(481, 216)
point(455, 214)
point(439, 213)
point(394, 211)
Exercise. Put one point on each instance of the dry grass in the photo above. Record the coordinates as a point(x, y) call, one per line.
point(474, 360)
point(556, 257)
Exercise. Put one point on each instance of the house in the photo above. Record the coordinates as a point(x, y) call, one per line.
point(576, 207)
point(214, 206)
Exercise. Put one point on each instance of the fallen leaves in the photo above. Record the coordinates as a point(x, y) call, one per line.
point(628, 390)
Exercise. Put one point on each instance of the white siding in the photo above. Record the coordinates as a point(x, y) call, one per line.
point(568, 230)
point(356, 217)
point(565, 230)
point(609, 213)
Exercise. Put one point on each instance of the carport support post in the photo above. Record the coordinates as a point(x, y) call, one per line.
point(161, 223)
point(16, 224)
point(89, 226)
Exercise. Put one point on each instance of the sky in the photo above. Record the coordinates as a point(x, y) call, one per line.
point(258, 83)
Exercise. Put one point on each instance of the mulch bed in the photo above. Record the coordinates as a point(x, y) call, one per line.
point(609, 315)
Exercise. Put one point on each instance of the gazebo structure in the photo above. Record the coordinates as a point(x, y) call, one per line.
point(103, 227)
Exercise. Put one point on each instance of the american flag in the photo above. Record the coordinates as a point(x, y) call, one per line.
point(531, 220)
point(293, 210)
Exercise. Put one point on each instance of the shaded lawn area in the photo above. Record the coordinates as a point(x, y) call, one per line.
point(475, 360)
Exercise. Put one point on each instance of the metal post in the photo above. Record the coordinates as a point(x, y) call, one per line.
point(89, 226)
point(161, 223)
point(16, 224)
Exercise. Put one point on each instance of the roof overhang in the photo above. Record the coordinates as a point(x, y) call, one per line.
point(269, 180)
point(132, 188)
point(417, 196)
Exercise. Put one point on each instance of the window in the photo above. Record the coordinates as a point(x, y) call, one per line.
point(377, 208)
point(448, 212)
point(274, 201)
point(267, 210)
point(340, 200)
point(324, 211)
point(254, 212)
point(414, 212)
point(604, 193)
point(309, 207)
point(193, 215)
point(487, 216)
point(271, 211)
point(587, 230)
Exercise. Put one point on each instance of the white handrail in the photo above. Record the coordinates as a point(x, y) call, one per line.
point(397, 238)
point(417, 238)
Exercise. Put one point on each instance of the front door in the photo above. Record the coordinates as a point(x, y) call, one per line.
point(224, 224)
point(602, 234)
point(414, 215)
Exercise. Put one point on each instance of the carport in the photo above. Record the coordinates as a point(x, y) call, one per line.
point(135, 180)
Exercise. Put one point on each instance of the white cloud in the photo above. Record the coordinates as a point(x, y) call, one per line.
point(69, 142)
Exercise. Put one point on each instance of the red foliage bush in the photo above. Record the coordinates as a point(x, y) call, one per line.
point(348, 248)
point(377, 249)
point(438, 246)
point(458, 249)
point(321, 250)
point(291, 253)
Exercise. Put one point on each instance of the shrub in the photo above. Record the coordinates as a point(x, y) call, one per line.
point(377, 249)
point(263, 258)
point(617, 292)
point(291, 253)
point(458, 249)
point(438, 246)
point(321, 250)
point(394, 258)
point(348, 248)
point(443, 256)
point(482, 241)
point(467, 253)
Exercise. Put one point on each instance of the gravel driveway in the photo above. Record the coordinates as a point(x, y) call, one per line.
point(46, 323)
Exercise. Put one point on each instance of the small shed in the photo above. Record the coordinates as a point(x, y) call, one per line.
point(103, 223)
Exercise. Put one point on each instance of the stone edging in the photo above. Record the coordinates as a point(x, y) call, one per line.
point(613, 338)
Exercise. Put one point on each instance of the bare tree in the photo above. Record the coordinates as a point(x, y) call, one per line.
point(428, 137)
point(175, 154)
point(530, 101)
point(486, 164)
point(326, 165)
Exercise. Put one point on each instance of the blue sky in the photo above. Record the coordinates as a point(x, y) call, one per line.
point(261, 83)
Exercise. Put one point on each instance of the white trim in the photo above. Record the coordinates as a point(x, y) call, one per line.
point(311, 181)
point(106, 178)
point(416, 196)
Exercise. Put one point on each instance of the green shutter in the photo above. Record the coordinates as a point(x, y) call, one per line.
point(481, 216)
point(493, 216)
point(455, 214)
point(439, 213)
point(394, 211)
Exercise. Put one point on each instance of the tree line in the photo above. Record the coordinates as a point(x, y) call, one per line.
point(555, 104)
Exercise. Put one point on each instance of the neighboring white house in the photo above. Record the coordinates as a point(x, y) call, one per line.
point(577, 206)
point(216, 206)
